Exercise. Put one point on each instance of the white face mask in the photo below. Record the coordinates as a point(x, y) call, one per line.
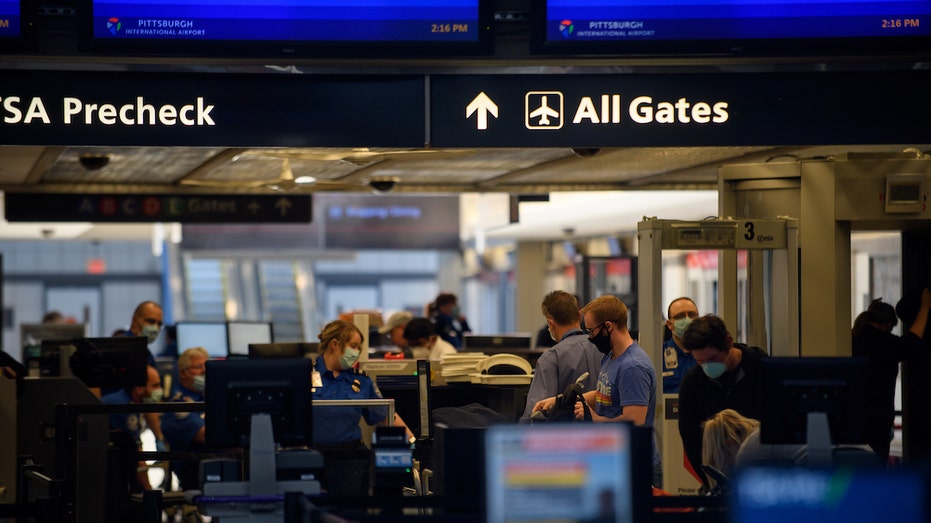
point(349, 357)
point(154, 397)
point(150, 332)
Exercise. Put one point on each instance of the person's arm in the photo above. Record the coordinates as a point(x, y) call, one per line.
point(634, 413)
point(690, 420)
point(399, 422)
point(154, 421)
point(921, 320)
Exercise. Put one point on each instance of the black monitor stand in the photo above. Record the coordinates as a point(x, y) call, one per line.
point(260, 499)
point(818, 439)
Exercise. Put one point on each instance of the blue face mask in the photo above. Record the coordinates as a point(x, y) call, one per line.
point(349, 358)
point(679, 326)
point(200, 383)
point(714, 369)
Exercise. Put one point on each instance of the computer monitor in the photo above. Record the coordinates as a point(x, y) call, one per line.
point(209, 335)
point(805, 495)
point(799, 386)
point(237, 389)
point(493, 343)
point(562, 471)
point(282, 350)
point(32, 334)
point(241, 333)
point(118, 362)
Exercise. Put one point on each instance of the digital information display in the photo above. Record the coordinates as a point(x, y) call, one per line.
point(737, 19)
point(10, 19)
point(289, 20)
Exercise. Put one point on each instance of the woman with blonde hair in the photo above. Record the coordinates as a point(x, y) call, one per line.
point(722, 436)
point(335, 379)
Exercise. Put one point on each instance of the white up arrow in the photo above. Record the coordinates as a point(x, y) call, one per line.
point(483, 105)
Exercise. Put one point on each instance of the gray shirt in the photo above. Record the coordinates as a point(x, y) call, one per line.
point(560, 366)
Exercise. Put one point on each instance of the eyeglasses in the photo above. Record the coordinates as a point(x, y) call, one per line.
point(591, 331)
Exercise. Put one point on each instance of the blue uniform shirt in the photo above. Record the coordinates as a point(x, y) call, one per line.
point(126, 421)
point(676, 362)
point(180, 428)
point(341, 424)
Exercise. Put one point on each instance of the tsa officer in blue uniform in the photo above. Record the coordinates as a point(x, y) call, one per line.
point(676, 361)
point(335, 379)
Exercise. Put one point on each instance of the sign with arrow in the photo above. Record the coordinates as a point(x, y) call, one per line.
point(138, 208)
point(481, 106)
point(680, 110)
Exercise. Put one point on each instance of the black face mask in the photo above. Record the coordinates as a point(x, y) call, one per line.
point(602, 341)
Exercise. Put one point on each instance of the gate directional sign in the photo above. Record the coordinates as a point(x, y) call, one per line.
point(805, 108)
point(135, 208)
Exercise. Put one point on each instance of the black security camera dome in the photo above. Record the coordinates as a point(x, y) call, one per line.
point(383, 185)
point(93, 162)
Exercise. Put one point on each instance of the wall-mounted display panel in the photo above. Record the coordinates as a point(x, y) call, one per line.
point(291, 28)
point(732, 27)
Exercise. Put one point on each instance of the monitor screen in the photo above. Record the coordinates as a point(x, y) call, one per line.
point(733, 27)
point(17, 25)
point(241, 333)
point(804, 495)
point(209, 335)
point(292, 28)
point(798, 386)
point(239, 388)
point(32, 334)
point(570, 472)
point(118, 362)
point(281, 350)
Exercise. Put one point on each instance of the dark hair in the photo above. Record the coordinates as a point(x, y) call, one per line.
point(881, 313)
point(680, 298)
point(445, 299)
point(561, 307)
point(418, 329)
point(907, 308)
point(706, 331)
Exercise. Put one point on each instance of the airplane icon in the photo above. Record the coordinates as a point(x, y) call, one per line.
point(545, 115)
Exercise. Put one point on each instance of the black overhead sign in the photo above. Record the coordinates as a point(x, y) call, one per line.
point(196, 109)
point(616, 110)
point(131, 208)
point(557, 110)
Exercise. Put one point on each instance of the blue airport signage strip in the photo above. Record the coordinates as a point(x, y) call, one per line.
point(198, 109)
point(662, 110)
point(134, 208)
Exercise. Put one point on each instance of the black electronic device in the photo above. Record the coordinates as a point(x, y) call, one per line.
point(797, 387)
point(308, 29)
point(118, 362)
point(731, 28)
point(32, 334)
point(238, 389)
point(282, 350)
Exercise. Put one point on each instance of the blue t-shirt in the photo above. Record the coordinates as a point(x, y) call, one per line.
point(130, 422)
point(341, 424)
point(626, 380)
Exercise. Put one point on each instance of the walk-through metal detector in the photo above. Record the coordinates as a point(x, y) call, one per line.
point(772, 303)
